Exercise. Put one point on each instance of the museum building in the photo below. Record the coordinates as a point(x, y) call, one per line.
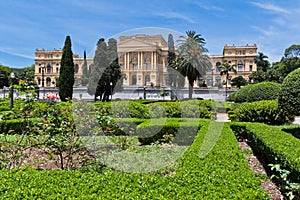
point(143, 61)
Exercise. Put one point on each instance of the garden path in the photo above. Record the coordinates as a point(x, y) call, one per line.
point(297, 120)
point(222, 117)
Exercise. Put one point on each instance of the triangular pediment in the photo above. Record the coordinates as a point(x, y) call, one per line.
point(135, 43)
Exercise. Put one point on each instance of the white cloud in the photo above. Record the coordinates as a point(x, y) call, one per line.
point(208, 7)
point(175, 15)
point(16, 54)
point(270, 31)
point(271, 7)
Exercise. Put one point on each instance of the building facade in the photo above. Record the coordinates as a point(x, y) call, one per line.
point(243, 57)
point(47, 66)
point(143, 61)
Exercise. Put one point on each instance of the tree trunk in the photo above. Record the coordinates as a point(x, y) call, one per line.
point(191, 85)
point(227, 75)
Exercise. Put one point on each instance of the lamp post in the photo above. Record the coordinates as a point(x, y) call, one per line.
point(144, 91)
point(212, 77)
point(12, 77)
point(43, 78)
point(111, 84)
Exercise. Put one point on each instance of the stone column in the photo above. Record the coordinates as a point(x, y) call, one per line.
point(152, 66)
point(139, 60)
point(142, 60)
point(124, 61)
point(155, 59)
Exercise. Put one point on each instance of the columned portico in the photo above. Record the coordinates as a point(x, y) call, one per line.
point(142, 65)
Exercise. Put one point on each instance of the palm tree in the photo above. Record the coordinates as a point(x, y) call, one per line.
point(195, 62)
point(224, 69)
point(261, 61)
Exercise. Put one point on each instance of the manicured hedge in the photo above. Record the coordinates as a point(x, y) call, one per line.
point(266, 111)
point(155, 130)
point(257, 92)
point(276, 146)
point(15, 126)
point(289, 97)
point(294, 130)
point(157, 109)
point(222, 174)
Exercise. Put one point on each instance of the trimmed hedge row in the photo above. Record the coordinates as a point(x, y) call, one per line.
point(266, 111)
point(16, 126)
point(222, 174)
point(148, 109)
point(295, 131)
point(184, 130)
point(276, 146)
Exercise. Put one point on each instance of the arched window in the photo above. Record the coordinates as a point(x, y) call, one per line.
point(39, 81)
point(147, 78)
point(200, 80)
point(218, 79)
point(217, 66)
point(48, 81)
point(209, 80)
point(49, 69)
point(240, 66)
point(134, 80)
point(76, 67)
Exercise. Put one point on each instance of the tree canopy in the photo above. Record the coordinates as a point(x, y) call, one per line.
point(292, 51)
point(106, 72)
point(194, 61)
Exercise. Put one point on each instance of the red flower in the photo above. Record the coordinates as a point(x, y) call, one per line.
point(107, 129)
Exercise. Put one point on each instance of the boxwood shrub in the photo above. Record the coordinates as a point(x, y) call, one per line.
point(257, 92)
point(289, 97)
point(16, 126)
point(184, 130)
point(265, 111)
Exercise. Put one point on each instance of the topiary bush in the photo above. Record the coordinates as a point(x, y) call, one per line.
point(258, 92)
point(241, 95)
point(289, 96)
point(264, 91)
point(265, 111)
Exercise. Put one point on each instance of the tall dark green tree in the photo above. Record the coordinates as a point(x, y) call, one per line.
point(172, 73)
point(85, 73)
point(111, 75)
point(195, 61)
point(106, 71)
point(262, 62)
point(4, 76)
point(238, 81)
point(66, 78)
point(98, 67)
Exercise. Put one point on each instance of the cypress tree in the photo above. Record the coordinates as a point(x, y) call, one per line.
point(111, 74)
point(66, 75)
point(85, 73)
point(173, 74)
point(100, 64)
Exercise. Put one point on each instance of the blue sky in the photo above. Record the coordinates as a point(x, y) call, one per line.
point(27, 25)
